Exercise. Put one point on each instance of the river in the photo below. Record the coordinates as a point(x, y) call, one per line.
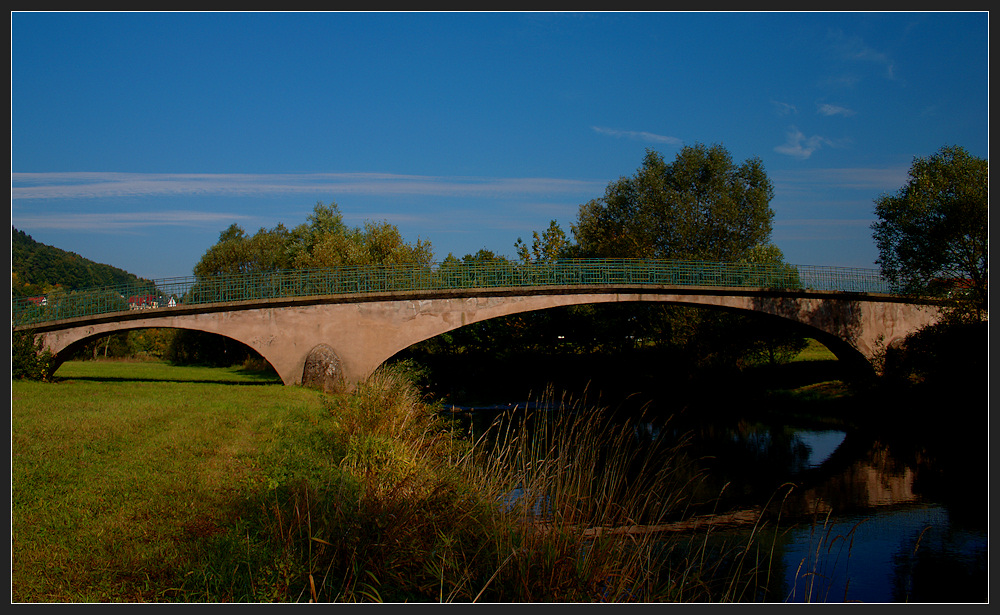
point(884, 513)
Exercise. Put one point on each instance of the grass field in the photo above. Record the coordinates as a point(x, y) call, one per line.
point(120, 472)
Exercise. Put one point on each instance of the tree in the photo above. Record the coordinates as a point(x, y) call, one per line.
point(550, 246)
point(701, 206)
point(932, 234)
point(322, 241)
point(237, 252)
point(376, 243)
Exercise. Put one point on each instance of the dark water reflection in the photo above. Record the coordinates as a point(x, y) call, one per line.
point(863, 516)
point(866, 518)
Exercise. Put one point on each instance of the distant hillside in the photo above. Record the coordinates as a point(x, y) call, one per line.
point(36, 268)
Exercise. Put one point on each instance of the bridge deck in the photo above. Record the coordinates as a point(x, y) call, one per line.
point(367, 283)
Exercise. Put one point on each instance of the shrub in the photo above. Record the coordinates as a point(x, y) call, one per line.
point(28, 359)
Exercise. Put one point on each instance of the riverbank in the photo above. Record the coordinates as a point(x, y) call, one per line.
point(150, 483)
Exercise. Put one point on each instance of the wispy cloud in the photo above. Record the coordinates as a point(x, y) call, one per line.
point(783, 108)
point(111, 185)
point(871, 180)
point(853, 48)
point(638, 135)
point(828, 110)
point(115, 222)
point(121, 202)
point(798, 145)
point(822, 229)
point(819, 224)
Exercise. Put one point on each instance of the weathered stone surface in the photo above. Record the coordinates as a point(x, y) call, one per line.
point(323, 370)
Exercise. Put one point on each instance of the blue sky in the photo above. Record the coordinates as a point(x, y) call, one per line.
point(136, 138)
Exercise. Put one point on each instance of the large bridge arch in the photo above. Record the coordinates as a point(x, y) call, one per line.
point(854, 329)
point(363, 331)
point(856, 359)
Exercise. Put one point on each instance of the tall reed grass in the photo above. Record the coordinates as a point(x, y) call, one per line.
point(593, 509)
point(554, 506)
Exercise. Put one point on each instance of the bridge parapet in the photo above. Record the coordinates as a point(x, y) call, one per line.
point(447, 275)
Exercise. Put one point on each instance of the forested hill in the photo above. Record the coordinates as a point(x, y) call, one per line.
point(37, 268)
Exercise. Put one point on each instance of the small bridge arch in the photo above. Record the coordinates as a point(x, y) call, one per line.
point(78, 337)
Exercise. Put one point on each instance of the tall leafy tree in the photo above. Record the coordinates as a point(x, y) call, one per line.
point(932, 234)
point(238, 252)
point(375, 243)
point(700, 206)
point(550, 246)
point(322, 241)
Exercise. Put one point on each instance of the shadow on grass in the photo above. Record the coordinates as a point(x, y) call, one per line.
point(194, 374)
point(175, 380)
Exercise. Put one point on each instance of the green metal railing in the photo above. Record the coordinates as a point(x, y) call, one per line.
point(258, 286)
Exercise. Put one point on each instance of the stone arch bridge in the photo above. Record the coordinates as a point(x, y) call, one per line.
point(351, 320)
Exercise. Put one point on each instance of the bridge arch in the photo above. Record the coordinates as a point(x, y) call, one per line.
point(74, 344)
point(853, 357)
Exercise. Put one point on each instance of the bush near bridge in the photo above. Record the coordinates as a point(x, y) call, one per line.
point(28, 360)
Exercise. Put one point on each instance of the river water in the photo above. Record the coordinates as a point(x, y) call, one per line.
point(868, 515)
point(869, 519)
